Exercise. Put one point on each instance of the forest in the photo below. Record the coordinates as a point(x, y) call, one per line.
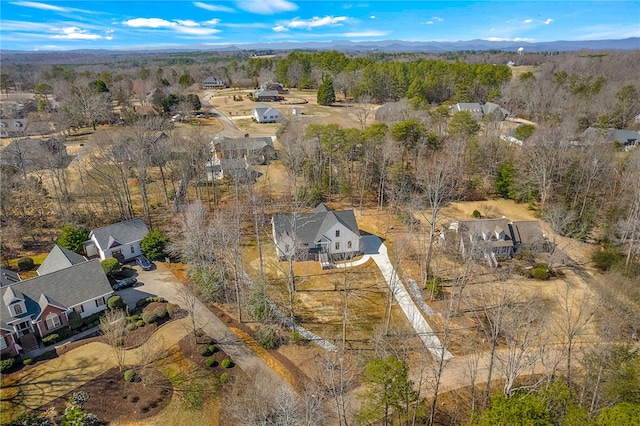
point(407, 156)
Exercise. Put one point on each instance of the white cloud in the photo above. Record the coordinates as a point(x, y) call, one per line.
point(212, 7)
point(183, 26)
point(75, 33)
point(548, 21)
point(187, 23)
point(437, 19)
point(372, 17)
point(527, 21)
point(148, 23)
point(508, 39)
point(315, 22)
point(267, 7)
point(43, 6)
point(372, 33)
point(280, 28)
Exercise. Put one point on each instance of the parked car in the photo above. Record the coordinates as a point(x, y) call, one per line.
point(201, 115)
point(127, 282)
point(143, 262)
point(176, 117)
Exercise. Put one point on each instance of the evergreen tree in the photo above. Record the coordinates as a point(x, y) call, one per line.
point(326, 94)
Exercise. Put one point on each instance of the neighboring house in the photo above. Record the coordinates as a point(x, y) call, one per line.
point(120, 240)
point(60, 258)
point(393, 111)
point(481, 238)
point(626, 138)
point(36, 307)
point(309, 236)
point(257, 150)
point(266, 114)
point(264, 95)
point(30, 155)
point(8, 277)
point(13, 128)
point(145, 111)
point(213, 83)
point(528, 235)
point(277, 87)
point(489, 110)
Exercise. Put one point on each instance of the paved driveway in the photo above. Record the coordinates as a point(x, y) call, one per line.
point(161, 282)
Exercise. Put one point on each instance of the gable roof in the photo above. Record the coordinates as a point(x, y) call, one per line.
point(266, 93)
point(120, 233)
point(311, 227)
point(612, 135)
point(59, 258)
point(245, 144)
point(262, 109)
point(64, 288)
point(528, 232)
point(213, 80)
point(8, 277)
point(36, 154)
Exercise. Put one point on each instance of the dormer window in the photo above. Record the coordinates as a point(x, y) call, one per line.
point(17, 309)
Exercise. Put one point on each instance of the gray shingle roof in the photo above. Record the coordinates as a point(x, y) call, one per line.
point(122, 232)
point(65, 288)
point(245, 144)
point(8, 277)
point(311, 227)
point(59, 258)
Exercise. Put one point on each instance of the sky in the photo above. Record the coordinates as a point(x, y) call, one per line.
point(119, 24)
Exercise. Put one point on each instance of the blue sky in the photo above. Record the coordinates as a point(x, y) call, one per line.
point(118, 24)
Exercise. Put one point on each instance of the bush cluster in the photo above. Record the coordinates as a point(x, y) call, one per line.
point(172, 309)
point(50, 339)
point(6, 364)
point(149, 317)
point(266, 335)
point(131, 326)
point(141, 303)
point(203, 350)
point(226, 363)
point(27, 361)
point(224, 377)
point(211, 362)
point(25, 264)
point(434, 286)
point(130, 376)
point(540, 271)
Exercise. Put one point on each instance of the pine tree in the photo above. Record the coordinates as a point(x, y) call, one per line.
point(326, 94)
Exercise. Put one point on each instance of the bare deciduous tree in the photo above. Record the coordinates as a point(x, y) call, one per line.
point(112, 325)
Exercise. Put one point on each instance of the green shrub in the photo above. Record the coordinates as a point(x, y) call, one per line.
point(6, 364)
point(27, 361)
point(172, 309)
point(266, 335)
point(131, 326)
point(607, 258)
point(25, 264)
point(130, 376)
point(540, 271)
point(203, 350)
point(149, 317)
point(50, 339)
point(434, 286)
point(211, 362)
point(224, 377)
point(212, 349)
point(160, 311)
point(110, 266)
point(126, 272)
point(116, 302)
point(75, 320)
point(476, 214)
point(225, 363)
point(140, 323)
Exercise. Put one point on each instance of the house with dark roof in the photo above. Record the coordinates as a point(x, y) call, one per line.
point(626, 138)
point(34, 308)
point(265, 114)
point(528, 235)
point(213, 83)
point(120, 240)
point(59, 258)
point(264, 95)
point(308, 236)
point(275, 86)
point(30, 155)
point(490, 111)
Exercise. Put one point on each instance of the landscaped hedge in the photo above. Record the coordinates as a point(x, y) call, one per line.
point(226, 363)
point(50, 339)
point(211, 362)
point(6, 364)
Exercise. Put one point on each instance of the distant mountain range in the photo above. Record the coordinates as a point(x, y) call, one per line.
point(396, 46)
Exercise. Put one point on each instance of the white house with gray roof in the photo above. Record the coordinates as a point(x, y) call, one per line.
point(39, 306)
point(307, 236)
point(265, 114)
point(120, 240)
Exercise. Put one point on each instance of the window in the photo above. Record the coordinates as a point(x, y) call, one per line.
point(99, 302)
point(338, 245)
point(79, 309)
point(17, 309)
point(53, 321)
point(133, 250)
point(3, 343)
point(337, 233)
point(349, 245)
